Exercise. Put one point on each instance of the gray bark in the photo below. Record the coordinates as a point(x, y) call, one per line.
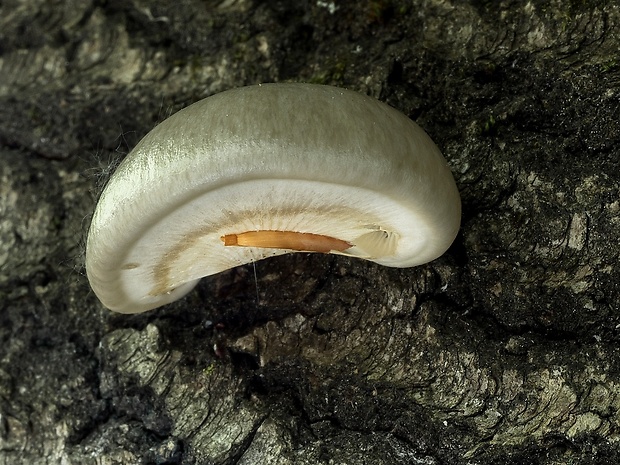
point(504, 350)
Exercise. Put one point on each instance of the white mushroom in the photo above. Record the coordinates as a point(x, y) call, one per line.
point(261, 171)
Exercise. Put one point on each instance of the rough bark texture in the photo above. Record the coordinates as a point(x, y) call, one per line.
point(505, 350)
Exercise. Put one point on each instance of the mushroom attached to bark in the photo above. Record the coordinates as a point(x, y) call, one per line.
point(261, 171)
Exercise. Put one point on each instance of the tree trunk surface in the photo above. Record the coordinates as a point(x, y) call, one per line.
point(506, 350)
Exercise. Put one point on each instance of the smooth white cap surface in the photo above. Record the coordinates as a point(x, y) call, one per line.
point(285, 157)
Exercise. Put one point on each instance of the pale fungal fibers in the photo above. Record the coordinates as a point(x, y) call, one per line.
point(261, 171)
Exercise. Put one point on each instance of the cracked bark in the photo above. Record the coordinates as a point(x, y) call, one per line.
point(503, 350)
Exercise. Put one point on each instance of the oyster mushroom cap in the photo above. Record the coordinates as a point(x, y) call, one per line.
point(261, 171)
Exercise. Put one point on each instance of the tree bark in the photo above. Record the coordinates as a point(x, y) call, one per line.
point(504, 350)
